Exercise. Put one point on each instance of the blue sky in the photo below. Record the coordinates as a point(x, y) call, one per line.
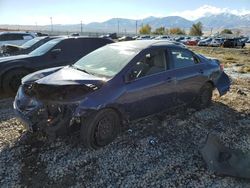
point(73, 11)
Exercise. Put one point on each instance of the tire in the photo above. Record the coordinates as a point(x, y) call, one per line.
point(12, 80)
point(205, 97)
point(100, 129)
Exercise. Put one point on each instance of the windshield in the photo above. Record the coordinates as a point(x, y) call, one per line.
point(32, 42)
point(106, 61)
point(45, 47)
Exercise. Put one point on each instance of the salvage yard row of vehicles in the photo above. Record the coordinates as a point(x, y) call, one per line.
point(193, 41)
point(93, 85)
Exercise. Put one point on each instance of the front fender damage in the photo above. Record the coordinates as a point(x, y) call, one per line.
point(50, 109)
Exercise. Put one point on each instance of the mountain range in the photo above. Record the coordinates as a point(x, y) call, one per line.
point(218, 21)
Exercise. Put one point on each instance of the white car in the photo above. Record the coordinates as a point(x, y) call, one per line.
point(216, 42)
point(15, 38)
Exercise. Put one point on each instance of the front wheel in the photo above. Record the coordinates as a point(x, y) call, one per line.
point(100, 129)
point(205, 97)
point(12, 80)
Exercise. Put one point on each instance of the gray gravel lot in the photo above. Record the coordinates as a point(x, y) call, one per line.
point(158, 151)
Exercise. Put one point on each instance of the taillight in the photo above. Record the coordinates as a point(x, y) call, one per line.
point(221, 67)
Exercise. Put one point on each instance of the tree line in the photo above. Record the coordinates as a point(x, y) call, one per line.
point(195, 30)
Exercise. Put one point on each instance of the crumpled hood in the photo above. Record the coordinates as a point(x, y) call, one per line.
point(39, 74)
point(13, 46)
point(60, 84)
point(15, 57)
point(63, 76)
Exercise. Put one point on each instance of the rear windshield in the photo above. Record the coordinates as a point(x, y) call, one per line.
point(32, 42)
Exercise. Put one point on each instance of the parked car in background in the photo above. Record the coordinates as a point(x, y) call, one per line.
point(109, 36)
point(217, 42)
point(39, 34)
point(162, 37)
point(16, 38)
point(145, 37)
point(56, 52)
point(125, 38)
point(233, 43)
point(117, 83)
point(10, 49)
point(192, 42)
point(205, 42)
point(135, 37)
point(178, 39)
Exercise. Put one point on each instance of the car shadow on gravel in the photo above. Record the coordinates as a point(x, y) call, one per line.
point(161, 150)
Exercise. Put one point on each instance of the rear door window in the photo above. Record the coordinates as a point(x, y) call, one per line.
point(183, 58)
point(70, 49)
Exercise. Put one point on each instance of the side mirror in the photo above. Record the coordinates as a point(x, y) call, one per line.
point(55, 52)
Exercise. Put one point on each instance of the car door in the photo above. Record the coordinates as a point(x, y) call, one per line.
point(149, 88)
point(189, 72)
point(66, 52)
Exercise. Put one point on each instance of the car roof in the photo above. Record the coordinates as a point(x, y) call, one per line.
point(142, 44)
point(10, 32)
point(62, 38)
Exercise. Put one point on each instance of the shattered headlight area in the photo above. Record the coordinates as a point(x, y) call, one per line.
point(60, 93)
point(52, 118)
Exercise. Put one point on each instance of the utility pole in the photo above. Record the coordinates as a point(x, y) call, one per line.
point(136, 25)
point(81, 27)
point(118, 26)
point(51, 24)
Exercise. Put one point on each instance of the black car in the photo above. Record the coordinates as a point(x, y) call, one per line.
point(117, 83)
point(10, 49)
point(233, 43)
point(57, 52)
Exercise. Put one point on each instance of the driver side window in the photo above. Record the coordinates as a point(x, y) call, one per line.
point(151, 63)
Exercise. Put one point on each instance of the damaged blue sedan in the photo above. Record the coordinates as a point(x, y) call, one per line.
point(114, 84)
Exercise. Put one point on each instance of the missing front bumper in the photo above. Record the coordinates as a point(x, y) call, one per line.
point(54, 120)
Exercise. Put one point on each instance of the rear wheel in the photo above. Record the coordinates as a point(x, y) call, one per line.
point(100, 129)
point(12, 80)
point(205, 97)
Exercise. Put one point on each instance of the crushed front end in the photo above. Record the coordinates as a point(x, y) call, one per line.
point(49, 109)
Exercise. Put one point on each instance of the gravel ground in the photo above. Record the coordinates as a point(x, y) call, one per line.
point(158, 151)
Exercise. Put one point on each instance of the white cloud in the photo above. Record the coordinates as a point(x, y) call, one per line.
point(206, 10)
